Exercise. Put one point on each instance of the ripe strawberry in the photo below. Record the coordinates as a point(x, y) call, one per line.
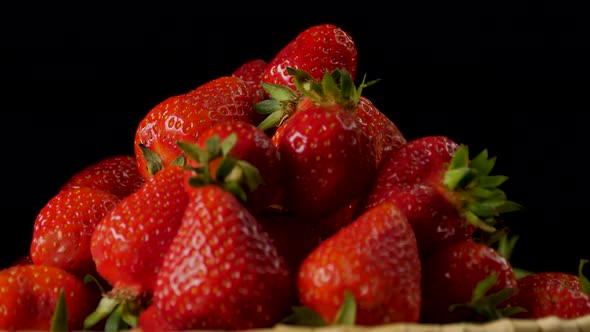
point(129, 243)
point(64, 226)
point(222, 270)
point(251, 72)
point(336, 88)
point(317, 49)
point(328, 156)
point(151, 320)
point(551, 293)
point(246, 143)
point(376, 259)
point(117, 175)
point(184, 117)
point(450, 276)
point(444, 195)
point(327, 160)
point(29, 295)
point(383, 131)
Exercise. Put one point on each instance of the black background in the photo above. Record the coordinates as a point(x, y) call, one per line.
point(77, 81)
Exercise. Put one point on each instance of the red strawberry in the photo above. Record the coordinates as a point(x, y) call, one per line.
point(151, 320)
point(64, 226)
point(328, 156)
point(452, 273)
point(129, 243)
point(29, 295)
point(327, 160)
point(336, 88)
point(251, 72)
point(184, 117)
point(248, 144)
point(117, 175)
point(375, 258)
point(318, 49)
point(222, 270)
point(444, 195)
point(550, 293)
point(385, 134)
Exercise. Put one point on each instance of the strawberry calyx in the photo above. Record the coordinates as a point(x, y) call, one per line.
point(120, 307)
point(282, 103)
point(305, 316)
point(216, 166)
point(486, 305)
point(504, 244)
point(153, 161)
point(475, 191)
point(335, 88)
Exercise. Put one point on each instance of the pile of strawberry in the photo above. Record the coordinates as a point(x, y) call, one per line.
point(279, 194)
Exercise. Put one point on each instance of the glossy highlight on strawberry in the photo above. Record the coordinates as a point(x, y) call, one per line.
point(376, 259)
point(318, 49)
point(222, 271)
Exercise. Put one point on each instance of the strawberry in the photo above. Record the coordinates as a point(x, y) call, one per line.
point(384, 132)
point(318, 49)
point(328, 156)
point(445, 195)
point(222, 270)
point(29, 295)
point(552, 293)
point(184, 117)
point(251, 72)
point(129, 243)
point(64, 226)
point(150, 320)
point(249, 144)
point(327, 160)
point(335, 88)
point(451, 275)
point(375, 258)
point(117, 175)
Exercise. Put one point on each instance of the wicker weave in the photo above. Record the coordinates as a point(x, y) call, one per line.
point(549, 324)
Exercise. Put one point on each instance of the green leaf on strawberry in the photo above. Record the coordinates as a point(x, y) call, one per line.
point(505, 244)
point(347, 313)
point(483, 200)
point(336, 87)
point(487, 305)
point(232, 174)
point(305, 316)
point(59, 323)
point(153, 161)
